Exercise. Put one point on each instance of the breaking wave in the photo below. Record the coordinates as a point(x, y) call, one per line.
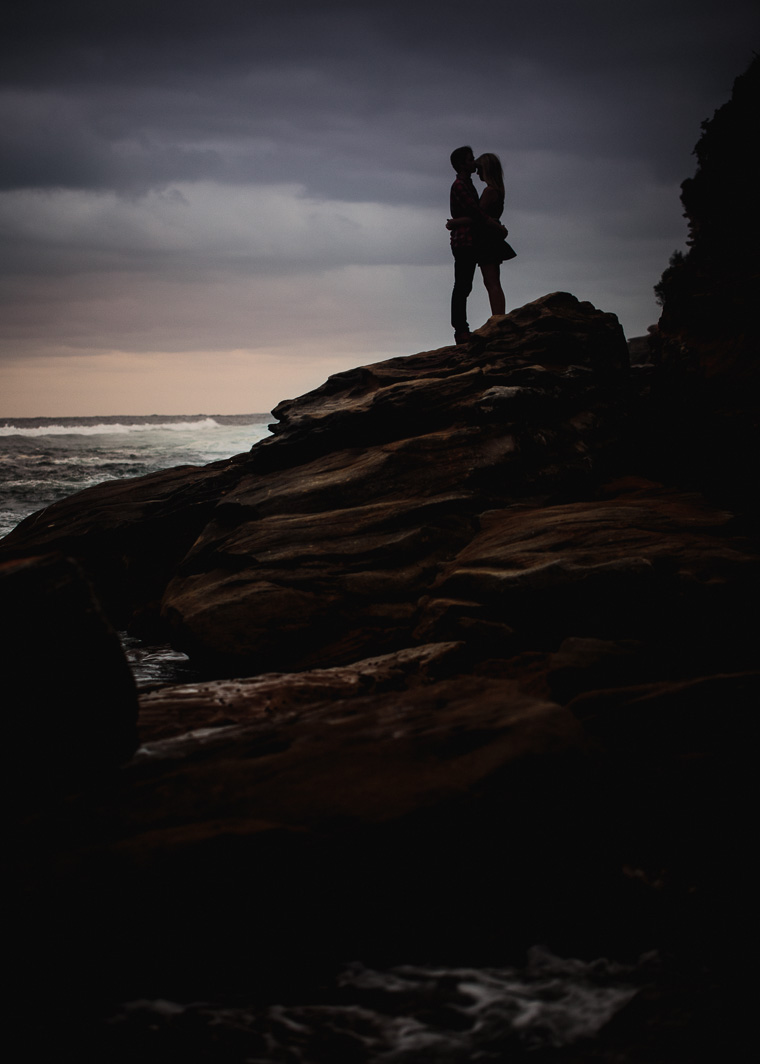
point(46, 459)
point(407, 1014)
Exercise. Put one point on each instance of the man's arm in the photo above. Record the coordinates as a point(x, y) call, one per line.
point(468, 204)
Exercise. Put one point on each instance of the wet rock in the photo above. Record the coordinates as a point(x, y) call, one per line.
point(222, 703)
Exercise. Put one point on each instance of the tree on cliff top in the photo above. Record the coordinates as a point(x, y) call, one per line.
point(713, 288)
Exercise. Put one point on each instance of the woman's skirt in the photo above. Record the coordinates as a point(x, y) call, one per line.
point(493, 251)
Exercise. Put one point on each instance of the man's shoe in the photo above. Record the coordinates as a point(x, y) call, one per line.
point(463, 337)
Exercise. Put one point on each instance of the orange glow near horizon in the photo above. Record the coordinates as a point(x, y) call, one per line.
point(209, 382)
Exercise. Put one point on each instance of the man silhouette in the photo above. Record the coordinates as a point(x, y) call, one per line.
point(464, 203)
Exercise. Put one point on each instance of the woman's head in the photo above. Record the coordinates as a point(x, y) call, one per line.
point(489, 170)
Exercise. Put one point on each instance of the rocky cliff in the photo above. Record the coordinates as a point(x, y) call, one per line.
point(320, 545)
point(480, 671)
point(473, 680)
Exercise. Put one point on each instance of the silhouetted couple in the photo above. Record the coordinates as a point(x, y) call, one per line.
point(477, 235)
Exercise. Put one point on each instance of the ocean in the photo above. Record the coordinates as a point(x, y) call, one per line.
point(44, 459)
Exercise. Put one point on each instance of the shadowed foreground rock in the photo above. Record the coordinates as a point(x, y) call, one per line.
point(70, 703)
point(472, 681)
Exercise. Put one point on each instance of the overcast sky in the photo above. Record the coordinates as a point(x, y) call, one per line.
point(211, 206)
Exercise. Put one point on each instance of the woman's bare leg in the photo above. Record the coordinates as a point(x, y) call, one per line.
point(492, 282)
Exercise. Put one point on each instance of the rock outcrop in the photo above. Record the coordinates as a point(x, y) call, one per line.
point(478, 642)
point(472, 681)
point(318, 547)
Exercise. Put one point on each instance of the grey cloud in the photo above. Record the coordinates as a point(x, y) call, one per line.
point(129, 40)
point(347, 99)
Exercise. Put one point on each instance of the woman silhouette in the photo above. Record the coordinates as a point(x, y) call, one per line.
point(491, 249)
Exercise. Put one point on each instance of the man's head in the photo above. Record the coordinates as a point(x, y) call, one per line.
point(463, 160)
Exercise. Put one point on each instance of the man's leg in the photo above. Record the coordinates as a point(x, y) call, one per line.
point(464, 271)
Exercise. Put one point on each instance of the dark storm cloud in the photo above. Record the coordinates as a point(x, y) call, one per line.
point(359, 102)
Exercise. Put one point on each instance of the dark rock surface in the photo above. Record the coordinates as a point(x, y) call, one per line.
point(473, 682)
point(180, 709)
point(70, 703)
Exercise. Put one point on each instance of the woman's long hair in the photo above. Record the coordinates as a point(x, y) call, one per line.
point(491, 171)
